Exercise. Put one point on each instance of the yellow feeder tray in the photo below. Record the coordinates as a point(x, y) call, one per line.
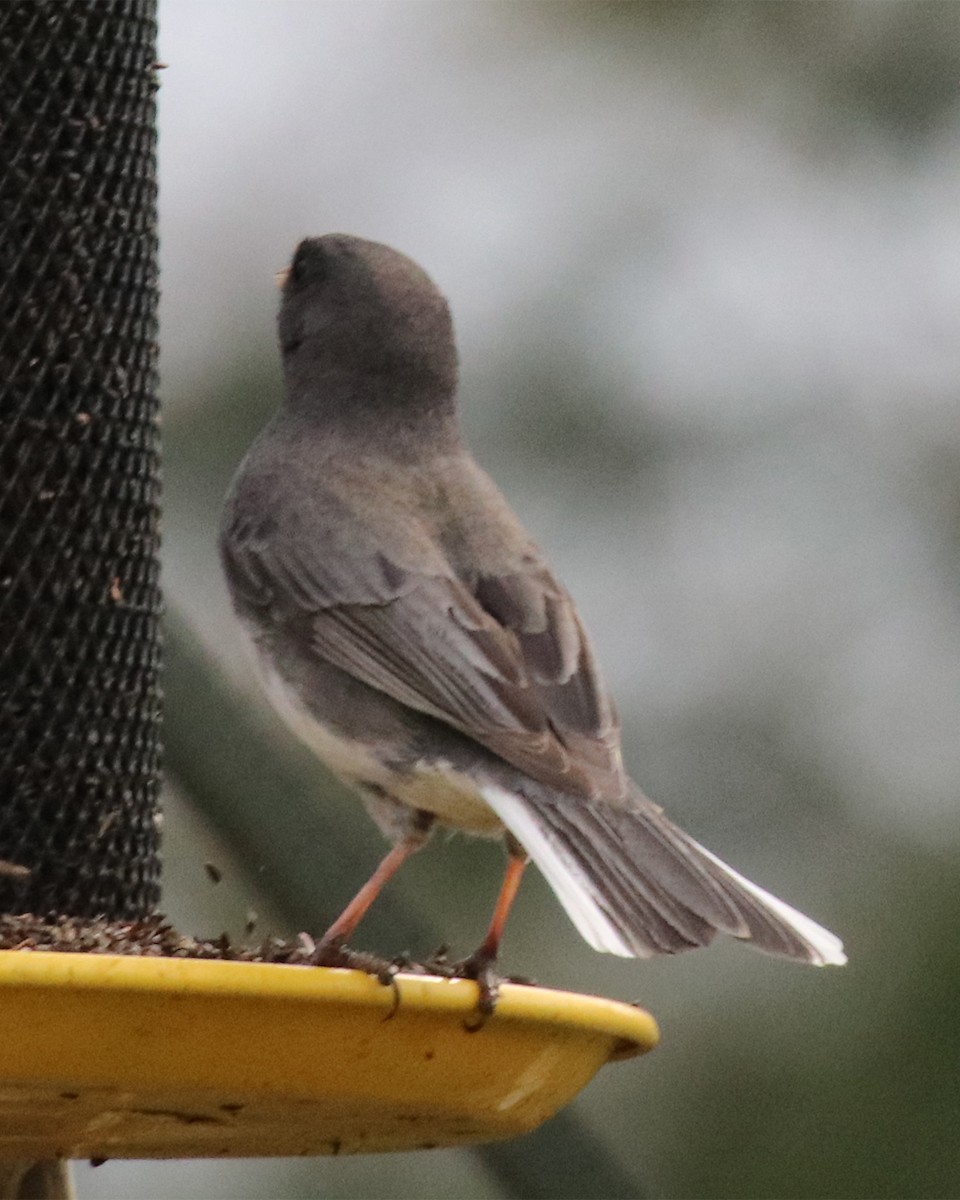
point(122, 1057)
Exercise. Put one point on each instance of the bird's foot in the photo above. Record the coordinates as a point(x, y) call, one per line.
point(481, 966)
point(334, 952)
point(327, 952)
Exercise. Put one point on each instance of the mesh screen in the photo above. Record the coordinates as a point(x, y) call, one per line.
point(79, 599)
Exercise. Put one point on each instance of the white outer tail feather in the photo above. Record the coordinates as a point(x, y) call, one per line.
point(825, 947)
point(568, 886)
point(576, 896)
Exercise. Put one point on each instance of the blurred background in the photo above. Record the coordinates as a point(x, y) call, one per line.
point(704, 262)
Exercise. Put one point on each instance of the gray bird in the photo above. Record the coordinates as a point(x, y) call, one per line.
point(414, 636)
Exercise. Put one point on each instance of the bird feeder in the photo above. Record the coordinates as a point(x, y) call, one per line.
point(161, 1058)
point(106, 1055)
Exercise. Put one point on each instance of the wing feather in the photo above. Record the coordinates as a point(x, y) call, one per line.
point(502, 658)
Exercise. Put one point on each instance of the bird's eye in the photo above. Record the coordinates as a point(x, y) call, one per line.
point(310, 263)
point(297, 266)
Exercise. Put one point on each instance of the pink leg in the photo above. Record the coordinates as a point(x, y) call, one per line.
point(508, 893)
point(481, 964)
point(351, 916)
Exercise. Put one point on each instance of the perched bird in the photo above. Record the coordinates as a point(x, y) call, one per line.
point(415, 637)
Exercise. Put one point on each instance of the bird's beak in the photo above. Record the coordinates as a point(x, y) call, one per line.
point(281, 277)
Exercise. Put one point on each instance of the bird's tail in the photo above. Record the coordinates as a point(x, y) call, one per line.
point(636, 885)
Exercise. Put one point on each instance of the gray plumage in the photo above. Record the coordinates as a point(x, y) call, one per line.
point(415, 636)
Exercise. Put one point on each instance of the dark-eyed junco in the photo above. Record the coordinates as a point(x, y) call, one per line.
point(414, 636)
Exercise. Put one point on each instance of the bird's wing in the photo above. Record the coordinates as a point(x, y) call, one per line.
point(502, 658)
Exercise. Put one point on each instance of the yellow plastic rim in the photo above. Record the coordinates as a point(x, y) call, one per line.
point(124, 1057)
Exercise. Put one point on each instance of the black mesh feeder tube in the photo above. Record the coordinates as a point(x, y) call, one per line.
point(79, 485)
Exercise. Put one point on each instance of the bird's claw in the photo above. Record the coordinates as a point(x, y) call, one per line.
point(481, 966)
